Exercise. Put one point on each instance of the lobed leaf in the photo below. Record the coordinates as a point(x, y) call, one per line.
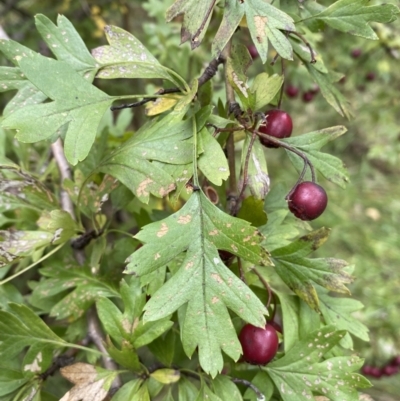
point(77, 105)
point(199, 229)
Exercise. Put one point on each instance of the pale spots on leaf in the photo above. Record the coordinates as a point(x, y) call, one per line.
point(260, 23)
point(163, 230)
point(240, 84)
point(217, 278)
point(157, 256)
point(248, 238)
point(223, 169)
point(214, 300)
point(310, 345)
point(165, 191)
point(234, 247)
point(142, 188)
point(213, 232)
point(329, 365)
point(185, 219)
point(35, 365)
point(228, 225)
point(189, 265)
point(282, 388)
point(216, 260)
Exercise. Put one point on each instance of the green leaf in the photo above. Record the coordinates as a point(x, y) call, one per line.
point(66, 44)
point(128, 391)
point(165, 140)
point(87, 289)
point(252, 210)
point(166, 376)
point(233, 14)
point(200, 228)
point(11, 380)
point(59, 223)
point(195, 21)
point(76, 104)
point(264, 383)
point(187, 390)
point(206, 394)
point(22, 328)
point(338, 312)
point(225, 389)
point(330, 166)
point(19, 189)
point(212, 162)
point(299, 375)
point(301, 273)
point(265, 23)
point(11, 78)
point(277, 233)
point(16, 245)
point(258, 180)
point(236, 67)
point(126, 356)
point(126, 57)
point(354, 16)
point(265, 88)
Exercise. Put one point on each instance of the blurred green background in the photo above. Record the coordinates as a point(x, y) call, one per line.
point(364, 218)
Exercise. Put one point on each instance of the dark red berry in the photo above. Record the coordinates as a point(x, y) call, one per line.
point(390, 370)
point(259, 345)
point(376, 372)
point(395, 361)
point(370, 76)
point(308, 97)
point(308, 201)
point(367, 370)
point(356, 53)
point(278, 124)
point(253, 51)
point(225, 255)
point(292, 91)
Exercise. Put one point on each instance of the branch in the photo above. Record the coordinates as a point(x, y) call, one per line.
point(230, 143)
point(260, 395)
point(94, 330)
point(209, 72)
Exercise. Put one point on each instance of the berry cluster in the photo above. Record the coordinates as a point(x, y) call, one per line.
point(390, 369)
point(307, 200)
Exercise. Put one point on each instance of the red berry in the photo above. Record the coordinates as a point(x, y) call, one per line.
point(292, 91)
point(356, 53)
point(395, 361)
point(390, 370)
point(253, 51)
point(225, 255)
point(367, 370)
point(370, 76)
point(376, 372)
point(308, 96)
point(308, 201)
point(259, 345)
point(278, 124)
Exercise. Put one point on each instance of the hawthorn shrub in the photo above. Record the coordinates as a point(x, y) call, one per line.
point(132, 259)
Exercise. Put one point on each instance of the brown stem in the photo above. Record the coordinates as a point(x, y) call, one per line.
point(207, 74)
point(245, 171)
point(230, 143)
point(241, 271)
point(248, 384)
point(265, 284)
point(94, 329)
point(283, 85)
point(303, 39)
point(291, 149)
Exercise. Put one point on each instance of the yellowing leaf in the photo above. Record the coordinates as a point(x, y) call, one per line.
point(166, 376)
